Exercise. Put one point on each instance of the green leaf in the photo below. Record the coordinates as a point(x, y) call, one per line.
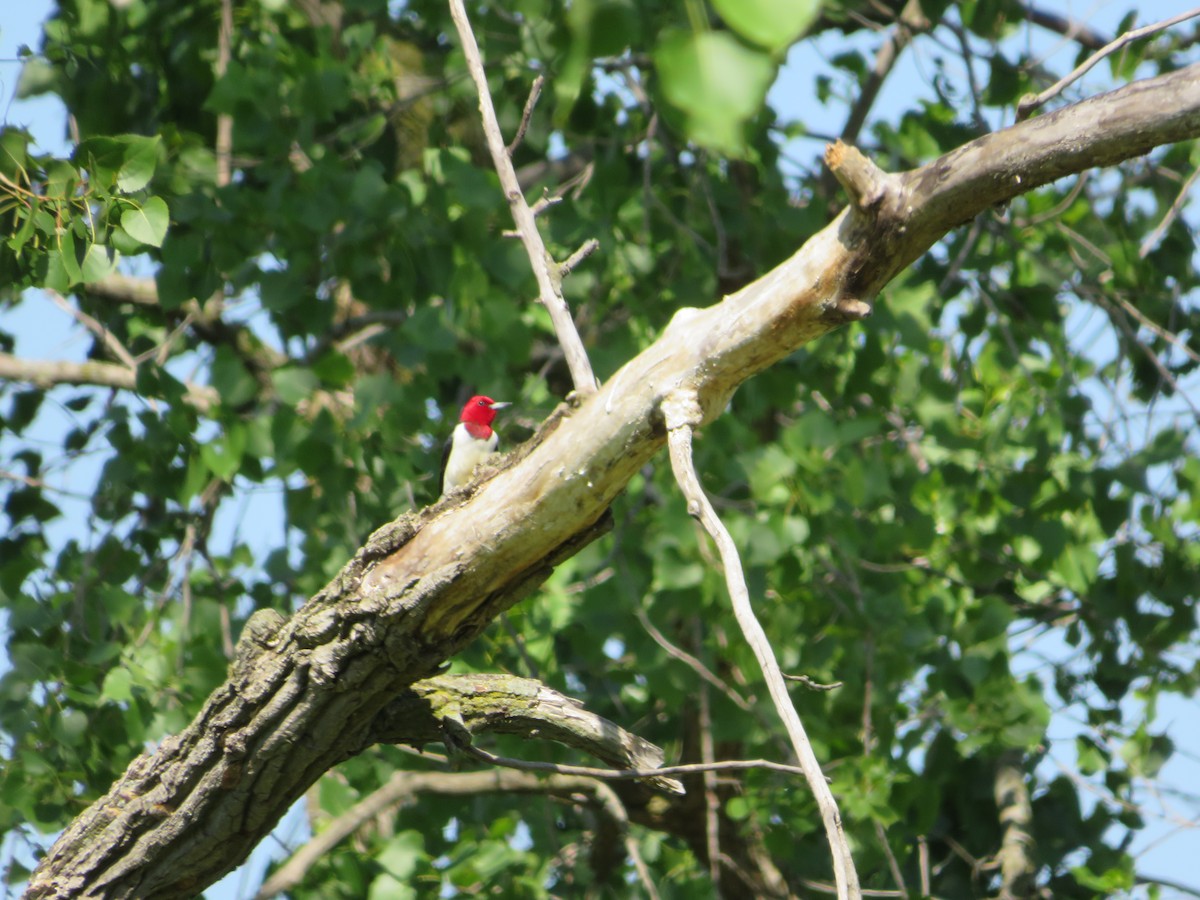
point(717, 82)
point(294, 383)
point(400, 856)
point(118, 686)
point(772, 24)
point(140, 158)
point(14, 148)
point(98, 262)
point(37, 77)
point(148, 223)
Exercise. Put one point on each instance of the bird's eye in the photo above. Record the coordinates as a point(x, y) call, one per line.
point(481, 403)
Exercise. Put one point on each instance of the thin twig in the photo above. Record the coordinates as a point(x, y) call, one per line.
point(403, 786)
point(682, 412)
point(1155, 236)
point(813, 685)
point(535, 91)
point(224, 143)
point(712, 803)
point(115, 347)
point(549, 288)
point(687, 659)
point(1169, 336)
point(1071, 29)
point(524, 765)
point(1030, 103)
point(590, 246)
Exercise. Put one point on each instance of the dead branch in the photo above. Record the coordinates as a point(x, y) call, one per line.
point(405, 786)
point(1031, 103)
point(682, 412)
point(49, 373)
point(549, 282)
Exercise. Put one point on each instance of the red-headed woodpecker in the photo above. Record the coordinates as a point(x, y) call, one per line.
point(472, 442)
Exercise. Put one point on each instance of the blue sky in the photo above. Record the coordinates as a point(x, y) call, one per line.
point(1169, 849)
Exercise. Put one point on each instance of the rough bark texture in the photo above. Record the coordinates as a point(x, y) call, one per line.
point(307, 695)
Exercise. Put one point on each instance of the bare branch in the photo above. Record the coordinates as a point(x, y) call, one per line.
point(586, 249)
point(124, 289)
point(682, 412)
point(1071, 29)
point(403, 786)
point(812, 685)
point(692, 662)
point(725, 765)
point(1156, 235)
point(115, 347)
point(549, 288)
point(457, 706)
point(1030, 103)
point(712, 803)
point(910, 21)
point(49, 373)
point(1017, 868)
point(224, 144)
point(535, 91)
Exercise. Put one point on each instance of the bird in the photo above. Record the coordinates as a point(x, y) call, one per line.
point(472, 441)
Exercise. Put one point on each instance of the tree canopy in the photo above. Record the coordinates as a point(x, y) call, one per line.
point(947, 415)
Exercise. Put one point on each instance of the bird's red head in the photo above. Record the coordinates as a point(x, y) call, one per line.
point(481, 410)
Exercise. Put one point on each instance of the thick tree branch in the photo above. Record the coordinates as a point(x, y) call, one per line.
point(427, 584)
point(506, 704)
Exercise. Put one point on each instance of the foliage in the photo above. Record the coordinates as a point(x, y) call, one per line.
point(998, 460)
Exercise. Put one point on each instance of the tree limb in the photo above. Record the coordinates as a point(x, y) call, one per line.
point(681, 409)
point(549, 282)
point(1017, 868)
point(49, 373)
point(1030, 103)
point(403, 786)
point(424, 586)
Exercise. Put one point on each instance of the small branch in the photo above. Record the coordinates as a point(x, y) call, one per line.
point(726, 765)
point(712, 803)
point(403, 786)
point(1169, 336)
point(465, 705)
point(224, 145)
point(1155, 236)
point(1071, 29)
point(535, 91)
point(813, 685)
point(1030, 103)
point(910, 21)
point(1017, 868)
point(682, 412)
point(124, 289)
point(864, 181)
point(49, 373)
point(115, 347)
point(590, 246)
point(692, 662)
point(549, 289)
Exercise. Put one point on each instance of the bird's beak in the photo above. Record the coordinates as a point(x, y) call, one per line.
point(500, 404)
